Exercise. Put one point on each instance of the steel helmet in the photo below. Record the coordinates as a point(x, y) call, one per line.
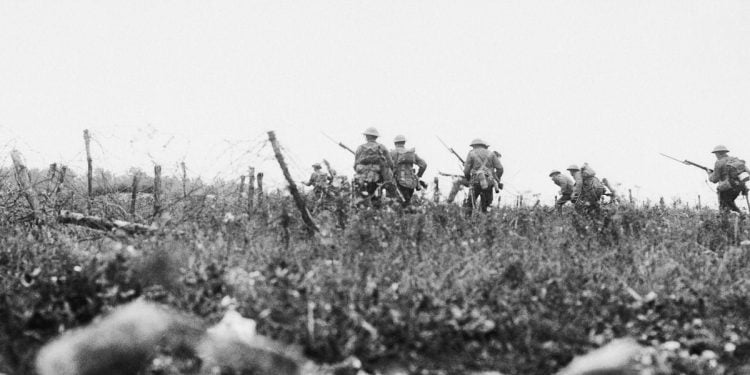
point(720, 148)
point(554, 172)
point(479, 141)
point(316, 165)
point(573, 167)
point(371, 131)
point(399, 138)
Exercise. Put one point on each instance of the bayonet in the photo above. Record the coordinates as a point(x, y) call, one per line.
point(341, 144)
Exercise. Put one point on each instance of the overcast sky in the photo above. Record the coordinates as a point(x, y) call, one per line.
point(548, 83)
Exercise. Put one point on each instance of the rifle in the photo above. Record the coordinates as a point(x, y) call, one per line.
point(328, 167)
point(451, 175)
point(452, 151)
point(341, 144)
point(688, 162)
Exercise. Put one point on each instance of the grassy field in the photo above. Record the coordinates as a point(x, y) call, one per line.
point(519, 290)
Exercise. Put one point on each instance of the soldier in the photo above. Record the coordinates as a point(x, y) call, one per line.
point(319, 180)
point(566, 188)
point(404, 160)
point(730, 174)
point(587, 190)
point(372, 164)
point(483, 171)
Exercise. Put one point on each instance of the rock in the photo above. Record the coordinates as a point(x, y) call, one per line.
point(616, 358)
point(121, 343)
point(233, 346)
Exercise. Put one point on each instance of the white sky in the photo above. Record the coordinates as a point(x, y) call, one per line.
point(548, 83)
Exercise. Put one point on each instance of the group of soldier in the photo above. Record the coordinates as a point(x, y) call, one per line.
point(391, 173)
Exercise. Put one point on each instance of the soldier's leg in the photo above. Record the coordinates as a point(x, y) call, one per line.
point(455, 188)
point(407, 193)
point(487, 196)
point(731, 196)
point(561, 202)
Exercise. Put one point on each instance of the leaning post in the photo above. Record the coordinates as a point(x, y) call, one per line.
point(298, 200)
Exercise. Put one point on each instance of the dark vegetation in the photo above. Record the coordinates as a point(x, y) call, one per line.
point(519, 290)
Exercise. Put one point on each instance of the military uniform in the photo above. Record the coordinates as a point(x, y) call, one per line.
point(587, 190)
point(319, 180)
point(404, 160)
point(373, 165)
point(566, 185)
point(725, 172)
point(482, 167)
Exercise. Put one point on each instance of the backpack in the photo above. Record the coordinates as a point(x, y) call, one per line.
point(587, 171)
point(404, 156)
point(483, 176)
point(735, 167)
point(371, 154)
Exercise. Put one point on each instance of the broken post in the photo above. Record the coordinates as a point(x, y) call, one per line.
point(184, 180)
point(51, 172)
point(298, 200)
point(250, 189)
point(260, 187)
point(24, 184)
point(157, 190)
point(242, 190)
point(436, 193)
point(89, 166)
point(133, 195)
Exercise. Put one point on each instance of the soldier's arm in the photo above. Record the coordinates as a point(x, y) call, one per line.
point(498, 166)
point(578, 186)
point(715, 175)
point(310, 181)
point(357, 156)
point(467, 166)
point(421, 164)
point(387, 155)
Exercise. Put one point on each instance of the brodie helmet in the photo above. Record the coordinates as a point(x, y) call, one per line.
point(720, 148)
point(371, 131)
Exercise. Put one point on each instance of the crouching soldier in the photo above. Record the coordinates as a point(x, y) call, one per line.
point(566, 188)
point(587, 190)
point(730, 175)
point(373, 167)
point(483, 171)
point(404, 160)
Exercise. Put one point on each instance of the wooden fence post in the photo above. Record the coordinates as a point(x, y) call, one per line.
point(157, 190)
point(133, 195)
point(242, 190)
point(436, 192)
point(51, 172)
point(250, 189)
point(24, 183)
point(260, 187)
point(184, 180)
point(89, 166)
point(298, 200)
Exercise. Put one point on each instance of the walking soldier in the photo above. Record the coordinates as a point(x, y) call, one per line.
point(730, 175)
point(483, 171)
point(319, 180)
point(404, 160)
point(373, 166)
